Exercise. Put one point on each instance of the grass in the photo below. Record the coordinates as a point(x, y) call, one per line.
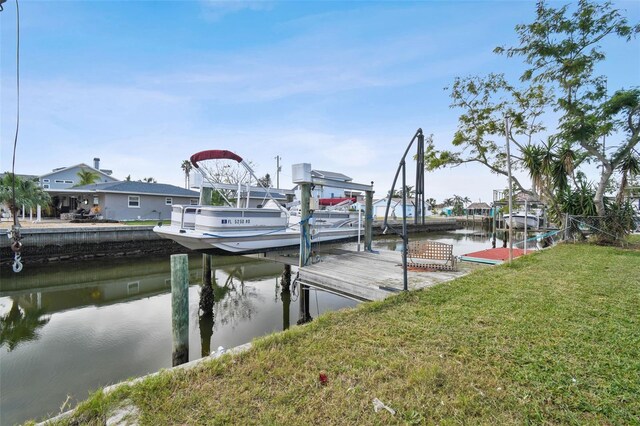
point(552, 339)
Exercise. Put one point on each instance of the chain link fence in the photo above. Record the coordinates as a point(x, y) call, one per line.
point(612, 228)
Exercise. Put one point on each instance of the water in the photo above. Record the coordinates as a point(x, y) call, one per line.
point(70, 329)
point(73, 328)
point(464, 241)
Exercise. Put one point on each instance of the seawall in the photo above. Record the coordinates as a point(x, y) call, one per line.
point(72, 243)
point(40, 245)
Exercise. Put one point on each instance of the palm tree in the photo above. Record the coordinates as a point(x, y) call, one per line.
point(87, 177)
point(27, 193)
point(186, 167)
point(148, 180)
point(628, 167)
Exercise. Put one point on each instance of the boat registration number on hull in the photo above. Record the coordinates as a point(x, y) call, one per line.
point(236, 221)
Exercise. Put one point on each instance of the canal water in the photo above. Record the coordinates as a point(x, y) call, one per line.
point(68, 329)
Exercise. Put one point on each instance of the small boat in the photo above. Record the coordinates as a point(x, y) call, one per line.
point(243, 229)
point(519, 219)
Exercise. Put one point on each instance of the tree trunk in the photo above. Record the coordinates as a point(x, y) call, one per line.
point(598, 199)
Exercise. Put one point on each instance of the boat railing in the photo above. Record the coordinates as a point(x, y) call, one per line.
point(184, 216)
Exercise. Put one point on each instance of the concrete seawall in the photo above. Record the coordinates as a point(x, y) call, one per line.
point(74, 243)
point(69, 243)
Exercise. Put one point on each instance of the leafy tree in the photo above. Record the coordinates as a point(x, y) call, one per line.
point(186, 167)
point(480, 137)
point(265, 181)
point(27, 193)
point(128, 178)
point(398, 192)
point(87, 177)
point(457, 202)
point(561, 48)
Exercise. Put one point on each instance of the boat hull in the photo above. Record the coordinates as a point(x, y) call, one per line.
point(520, 219)
point(249, 242)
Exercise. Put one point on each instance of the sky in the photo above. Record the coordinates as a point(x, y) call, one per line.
point(341, 85)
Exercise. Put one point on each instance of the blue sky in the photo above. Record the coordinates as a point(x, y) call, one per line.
point(341, 85)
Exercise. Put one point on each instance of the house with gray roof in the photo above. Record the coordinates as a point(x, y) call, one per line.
point(128, 200)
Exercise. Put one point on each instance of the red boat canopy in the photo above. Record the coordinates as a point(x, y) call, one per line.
point(334, 201)
point(214, 154)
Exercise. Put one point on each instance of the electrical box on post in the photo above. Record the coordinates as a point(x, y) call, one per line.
point(301, 173)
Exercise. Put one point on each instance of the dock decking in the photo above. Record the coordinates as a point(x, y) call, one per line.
point(370, 275)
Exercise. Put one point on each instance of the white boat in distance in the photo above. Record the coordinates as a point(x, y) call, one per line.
point(519, 220)
point(244, 230)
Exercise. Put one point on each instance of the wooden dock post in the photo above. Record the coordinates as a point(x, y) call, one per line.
point(206, 292)
point(286, 278)
point(285, 296)
point(305, 251)
point(368, 221)
point(180, 307)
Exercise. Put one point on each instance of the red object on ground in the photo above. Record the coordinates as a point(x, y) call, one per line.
point(499, 253)
point(334, 201)
point(323, 378)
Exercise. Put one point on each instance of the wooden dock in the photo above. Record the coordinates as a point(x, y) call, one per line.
point(370, 275)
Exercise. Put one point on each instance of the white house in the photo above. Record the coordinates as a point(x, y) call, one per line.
point(395, 210)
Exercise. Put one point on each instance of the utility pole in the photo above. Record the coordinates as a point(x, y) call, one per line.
point(278, 169)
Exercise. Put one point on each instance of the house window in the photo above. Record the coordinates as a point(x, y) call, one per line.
point(168, 201)
point(96, 200)
point(45, 180)
point(134, 201)
point(193, 202)
point(45, 186)
point(59, 181)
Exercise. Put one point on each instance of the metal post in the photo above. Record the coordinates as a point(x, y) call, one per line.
point(368, 220)
point(278, 168)
point(525, 226)
point(405, 237)
point(506, 133)
point(359, 225)
point(180, 307)
point(494, 223)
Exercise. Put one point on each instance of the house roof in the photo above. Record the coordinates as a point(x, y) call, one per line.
point(82, 166)
point(483, 206)
point(323, 174)
point(131, 187)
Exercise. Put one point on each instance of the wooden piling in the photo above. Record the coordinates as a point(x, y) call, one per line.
point(206, 293)
point(285, 296)
point(180, 307)
point(286, 278)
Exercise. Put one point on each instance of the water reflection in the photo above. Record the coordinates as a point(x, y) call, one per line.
point(109, 320)
point(21, 324)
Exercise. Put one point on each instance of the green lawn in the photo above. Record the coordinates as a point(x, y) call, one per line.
point(552, 339)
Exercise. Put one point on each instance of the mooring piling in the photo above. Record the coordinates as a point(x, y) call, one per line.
point(180, 307)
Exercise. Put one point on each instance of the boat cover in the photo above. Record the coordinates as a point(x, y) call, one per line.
point(214, 154)
point(334, 201)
